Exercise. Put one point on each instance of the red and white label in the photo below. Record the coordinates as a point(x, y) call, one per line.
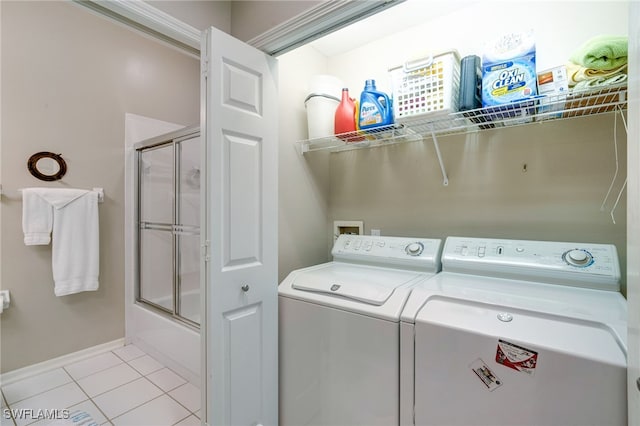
point(516, 357)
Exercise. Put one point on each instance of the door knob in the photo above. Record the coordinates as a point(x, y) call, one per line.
point(245, 288)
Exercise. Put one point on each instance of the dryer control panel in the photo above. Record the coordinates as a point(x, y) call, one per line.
point(415, 253)
point(577, 264)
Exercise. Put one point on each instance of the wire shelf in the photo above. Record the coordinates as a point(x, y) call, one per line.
point(534, 110)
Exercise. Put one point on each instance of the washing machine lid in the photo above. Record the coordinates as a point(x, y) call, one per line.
point(370, 285)
point(607, 308)
point(368, 290)
point(589, 338)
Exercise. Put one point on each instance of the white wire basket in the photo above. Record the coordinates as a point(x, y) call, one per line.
point(426, 86)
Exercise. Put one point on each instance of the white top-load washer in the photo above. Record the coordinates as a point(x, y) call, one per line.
point(516, 333)
point(339, 332)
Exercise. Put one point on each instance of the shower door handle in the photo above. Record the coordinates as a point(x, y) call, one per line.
point(245, 288)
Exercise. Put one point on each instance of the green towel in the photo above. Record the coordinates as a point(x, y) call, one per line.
point(602, 52)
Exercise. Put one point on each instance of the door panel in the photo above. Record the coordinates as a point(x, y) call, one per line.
point(156, 268)
point(188, 244)
point(242, 87)
point(190, 176)
point(243, 329)
point(242, 220)
point(240, 233)
point(156, 185)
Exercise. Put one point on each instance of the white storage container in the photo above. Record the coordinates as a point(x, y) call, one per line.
point(324, 96)
point(321, 111)
point(426, 86)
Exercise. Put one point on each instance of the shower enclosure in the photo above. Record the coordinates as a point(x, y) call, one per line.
point(168, 218)
point(162, 245)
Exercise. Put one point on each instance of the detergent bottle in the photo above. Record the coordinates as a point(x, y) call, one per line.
point(375, 108)
point(345, 117)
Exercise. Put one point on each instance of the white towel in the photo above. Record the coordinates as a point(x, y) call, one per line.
point(37, 218)
point(75, 253)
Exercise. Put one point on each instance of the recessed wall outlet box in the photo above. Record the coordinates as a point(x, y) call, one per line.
point(352, 227)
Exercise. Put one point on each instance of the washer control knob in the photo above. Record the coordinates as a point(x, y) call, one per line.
point(414, 249)
point(578, 257)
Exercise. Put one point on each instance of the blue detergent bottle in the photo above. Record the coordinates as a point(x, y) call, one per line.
point(375, 107)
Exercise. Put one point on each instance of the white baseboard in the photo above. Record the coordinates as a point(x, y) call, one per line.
point(51, 364)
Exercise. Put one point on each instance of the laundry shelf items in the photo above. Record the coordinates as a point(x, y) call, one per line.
point(526, 112)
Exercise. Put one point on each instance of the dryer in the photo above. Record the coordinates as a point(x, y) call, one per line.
point(339, 332)
point(516, 333)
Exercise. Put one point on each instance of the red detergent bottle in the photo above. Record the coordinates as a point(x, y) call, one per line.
point(345, 118)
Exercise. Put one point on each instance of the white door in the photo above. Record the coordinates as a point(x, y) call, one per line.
point(240, 239)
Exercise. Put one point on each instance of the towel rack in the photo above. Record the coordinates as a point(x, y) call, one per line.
point(17, 194)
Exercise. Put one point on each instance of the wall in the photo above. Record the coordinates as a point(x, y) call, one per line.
point(303, 181)
point(570, 164)
point(68, 78)
point(249, 19)
point(198, 14)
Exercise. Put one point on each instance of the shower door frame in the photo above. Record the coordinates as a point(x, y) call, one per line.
point(173, 139)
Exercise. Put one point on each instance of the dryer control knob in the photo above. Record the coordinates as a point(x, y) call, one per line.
point(414, 249)
point(578, 257)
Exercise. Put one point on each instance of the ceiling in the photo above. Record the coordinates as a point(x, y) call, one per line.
point(392, 20)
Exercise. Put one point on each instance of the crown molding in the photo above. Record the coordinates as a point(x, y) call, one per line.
point(146, 18)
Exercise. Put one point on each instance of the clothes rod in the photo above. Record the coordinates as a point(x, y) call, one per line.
point(17, 194)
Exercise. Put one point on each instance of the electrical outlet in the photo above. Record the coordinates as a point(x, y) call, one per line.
point(352, 227)
point(375, 232)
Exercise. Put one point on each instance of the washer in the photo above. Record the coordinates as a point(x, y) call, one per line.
point(340, 334)
point(516, 333)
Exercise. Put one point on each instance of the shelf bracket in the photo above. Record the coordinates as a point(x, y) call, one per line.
point(445, 179)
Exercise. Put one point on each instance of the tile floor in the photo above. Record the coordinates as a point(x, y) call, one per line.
point(122, 387)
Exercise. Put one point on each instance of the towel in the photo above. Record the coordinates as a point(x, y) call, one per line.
point(75, 251)
point(603, 52)
point(37, 218)
point(600, 82)
point(577, 73)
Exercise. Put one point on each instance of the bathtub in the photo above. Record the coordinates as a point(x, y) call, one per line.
point(173, 343)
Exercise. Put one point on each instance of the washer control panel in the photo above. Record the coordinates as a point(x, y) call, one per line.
point(574, 263)
point(417, 253)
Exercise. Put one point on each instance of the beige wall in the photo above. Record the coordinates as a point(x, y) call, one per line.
point(68, 78)
point(249, 18)
point(570, 164)
point(199, 14)
point(303, 194)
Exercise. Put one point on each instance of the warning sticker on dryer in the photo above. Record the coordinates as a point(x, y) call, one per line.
point(484, 373)
point(516, 357)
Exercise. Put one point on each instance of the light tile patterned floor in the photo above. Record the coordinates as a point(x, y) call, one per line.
point(123, 387)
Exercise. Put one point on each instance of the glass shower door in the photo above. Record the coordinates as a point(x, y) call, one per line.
point(169, 226)
point(188, 229)
point(156, 212)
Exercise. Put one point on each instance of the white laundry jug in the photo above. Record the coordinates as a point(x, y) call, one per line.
point(324, 97)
